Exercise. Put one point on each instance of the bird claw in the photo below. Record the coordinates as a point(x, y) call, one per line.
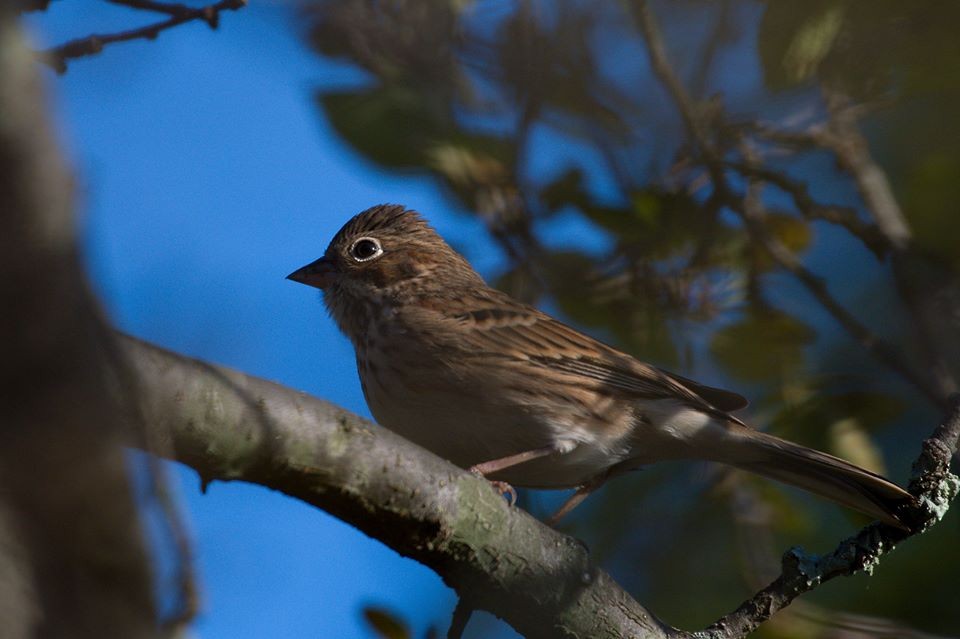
point(501, 487)
point(504, 488)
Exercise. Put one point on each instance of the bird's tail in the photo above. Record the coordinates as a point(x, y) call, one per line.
point(820, 473)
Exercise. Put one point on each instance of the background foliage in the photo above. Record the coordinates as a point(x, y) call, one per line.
point(549, 122)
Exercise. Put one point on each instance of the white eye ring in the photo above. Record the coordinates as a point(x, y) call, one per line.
point(365, 249)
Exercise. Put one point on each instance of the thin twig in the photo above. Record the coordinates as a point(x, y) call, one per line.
point(719, 34)
point(151, 5)
point(853, 153)
point(57, 56)
point(932, 485)
point(812, 138)
point(688, 110)
point(461, 616)
point(843, 138)
point(890, 234)
point(843, 216)
point(817, 286)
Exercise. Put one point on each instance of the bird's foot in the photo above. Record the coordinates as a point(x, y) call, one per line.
point(506, 489)
point(501, 487)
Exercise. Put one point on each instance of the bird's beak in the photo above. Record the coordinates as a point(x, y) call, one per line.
point(319, 274)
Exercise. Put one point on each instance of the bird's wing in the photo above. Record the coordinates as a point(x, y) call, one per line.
point(723, 399)
point(505, 328)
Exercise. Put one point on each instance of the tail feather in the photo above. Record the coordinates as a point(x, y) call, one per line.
point(821, 474)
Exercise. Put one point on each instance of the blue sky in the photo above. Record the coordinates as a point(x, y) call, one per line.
point(206, 174)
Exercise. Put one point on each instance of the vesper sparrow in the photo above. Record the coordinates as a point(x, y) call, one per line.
point(499, 387)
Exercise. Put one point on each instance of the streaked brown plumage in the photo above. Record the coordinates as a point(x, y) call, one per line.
point(495, 385)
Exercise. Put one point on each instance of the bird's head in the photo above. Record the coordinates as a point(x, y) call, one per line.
point(379, 257)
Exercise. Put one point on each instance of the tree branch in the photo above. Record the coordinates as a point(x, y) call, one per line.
point(57, 56)
point(933, 485)
point(231, 426)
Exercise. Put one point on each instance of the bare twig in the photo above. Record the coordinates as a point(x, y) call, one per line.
point(889, 236)
point(689, 112)
point(852, 151)
point(168, 8)
point(753, 216)
point(57, 56)
point(934, 487)
point(461, 615)
point(810, 138)
point(843, 216)
point(718, 35)
point(843, 138)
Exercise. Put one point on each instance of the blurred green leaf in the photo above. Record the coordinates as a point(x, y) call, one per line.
point(794, 38)
point(391, 126)
point(465, 166)
point(762, 343)
point(933, 201)
point(810, 419)
point(794, 233)
point(657, 223)
point(475, 167)
point(811, 43)
point(849, 440)
point(551, 65)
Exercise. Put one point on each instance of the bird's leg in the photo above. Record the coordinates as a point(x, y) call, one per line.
point(496, 465)
point(576, 498)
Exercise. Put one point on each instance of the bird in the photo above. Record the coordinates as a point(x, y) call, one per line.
point(505, 390)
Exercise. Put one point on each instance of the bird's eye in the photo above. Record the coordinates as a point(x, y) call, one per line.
point(366, 248)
